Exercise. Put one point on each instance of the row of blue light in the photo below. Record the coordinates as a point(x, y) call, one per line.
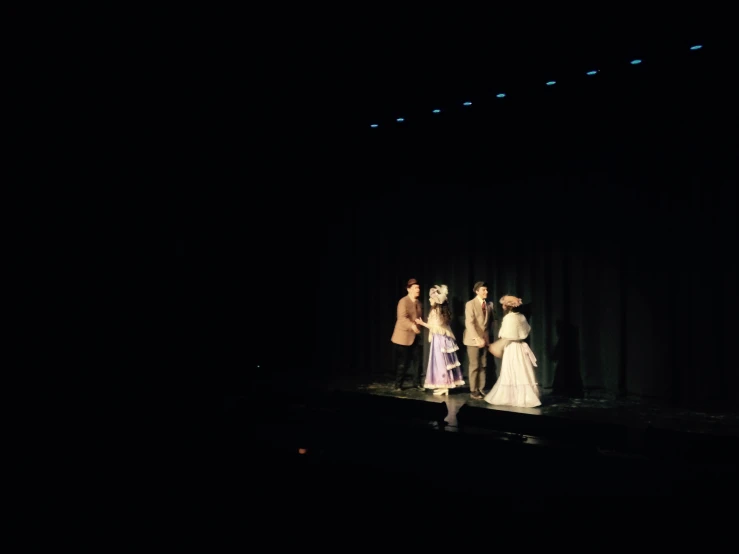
point(548, 83)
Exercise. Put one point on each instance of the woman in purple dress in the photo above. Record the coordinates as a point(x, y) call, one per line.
point(444, 370)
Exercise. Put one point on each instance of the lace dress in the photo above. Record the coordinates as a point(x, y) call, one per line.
point(444, 369)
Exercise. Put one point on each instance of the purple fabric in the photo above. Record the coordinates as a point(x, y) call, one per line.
point(444, 369)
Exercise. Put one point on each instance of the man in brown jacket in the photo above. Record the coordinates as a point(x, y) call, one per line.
point(407, 339)
point(479, 318)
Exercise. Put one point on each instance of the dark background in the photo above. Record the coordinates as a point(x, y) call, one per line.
point(261, 232)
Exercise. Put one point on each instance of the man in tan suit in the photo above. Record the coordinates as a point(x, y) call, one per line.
point(407, 339)
point(479, 315)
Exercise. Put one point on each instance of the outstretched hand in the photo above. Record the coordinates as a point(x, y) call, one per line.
point(419, 321)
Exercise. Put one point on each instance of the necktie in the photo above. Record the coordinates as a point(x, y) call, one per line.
point(484, 309)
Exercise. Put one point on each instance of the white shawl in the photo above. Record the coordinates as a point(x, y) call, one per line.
point(514, 327)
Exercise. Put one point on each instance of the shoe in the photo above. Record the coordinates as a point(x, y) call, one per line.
point(420, 387)
point(397, 388)
point(441, 392)
point(476, 396)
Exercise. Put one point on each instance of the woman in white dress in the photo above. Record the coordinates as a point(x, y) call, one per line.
point(517, 384)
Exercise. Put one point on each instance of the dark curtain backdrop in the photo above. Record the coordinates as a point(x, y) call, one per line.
point(608, 205)
point(636, 298)
point(610, 210)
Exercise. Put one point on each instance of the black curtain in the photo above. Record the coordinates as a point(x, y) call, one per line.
point(640, 302)
point(611, 210)
point(608, 203)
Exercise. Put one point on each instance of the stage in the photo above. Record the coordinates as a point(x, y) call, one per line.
point(362, 432)
point(323, 450)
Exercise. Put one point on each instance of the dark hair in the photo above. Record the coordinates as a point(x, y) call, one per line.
point(478, 285)
point(445, 313)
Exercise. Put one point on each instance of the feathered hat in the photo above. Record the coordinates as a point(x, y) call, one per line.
point(438, 294)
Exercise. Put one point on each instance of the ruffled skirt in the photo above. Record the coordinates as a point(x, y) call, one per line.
point(444, 370)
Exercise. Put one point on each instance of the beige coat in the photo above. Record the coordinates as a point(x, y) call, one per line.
point(477, 326)
point(407, 312)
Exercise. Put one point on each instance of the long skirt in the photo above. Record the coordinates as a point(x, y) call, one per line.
point(444, 370)
point(517, 384)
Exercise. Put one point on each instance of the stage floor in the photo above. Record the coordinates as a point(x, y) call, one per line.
point(634, 412)
point(355, 442)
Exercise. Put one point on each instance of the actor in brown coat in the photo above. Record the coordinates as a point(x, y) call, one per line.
point(407, 339)
point(479, 318)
